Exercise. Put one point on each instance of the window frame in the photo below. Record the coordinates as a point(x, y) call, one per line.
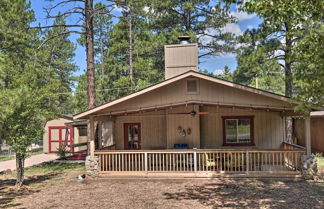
point(249, 117)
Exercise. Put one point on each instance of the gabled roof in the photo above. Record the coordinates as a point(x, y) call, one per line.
point(177, 78)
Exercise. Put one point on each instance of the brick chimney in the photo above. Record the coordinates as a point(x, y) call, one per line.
point(180, 58)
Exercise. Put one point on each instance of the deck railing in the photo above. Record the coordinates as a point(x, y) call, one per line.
point(206, 161)
point(287, 145)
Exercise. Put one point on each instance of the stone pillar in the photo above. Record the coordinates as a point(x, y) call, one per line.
point(92, 165)
point(309, 166)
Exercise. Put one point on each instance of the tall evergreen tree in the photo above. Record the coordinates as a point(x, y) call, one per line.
point(58, 55)
point(202, 20)
point(132, 51)
point(255, 64)
point(27, 88)
point(283, 24)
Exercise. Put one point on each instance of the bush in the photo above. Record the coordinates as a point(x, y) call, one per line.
point(62, 151)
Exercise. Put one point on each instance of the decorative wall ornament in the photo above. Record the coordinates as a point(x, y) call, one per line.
point(183, 133)
point(188, 131)
point(179, 129)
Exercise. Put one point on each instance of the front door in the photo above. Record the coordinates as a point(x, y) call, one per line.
point(132, 136)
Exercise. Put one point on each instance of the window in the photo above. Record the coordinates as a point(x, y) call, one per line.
point(238, 131)
point(82, 130)
point(192, 86)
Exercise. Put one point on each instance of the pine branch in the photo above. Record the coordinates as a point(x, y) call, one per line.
point(56, 26)
point(58, 35)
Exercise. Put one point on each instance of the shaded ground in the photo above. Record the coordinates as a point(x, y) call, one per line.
point(58, 188)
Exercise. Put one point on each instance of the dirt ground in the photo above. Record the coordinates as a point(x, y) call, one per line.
point(63, 190)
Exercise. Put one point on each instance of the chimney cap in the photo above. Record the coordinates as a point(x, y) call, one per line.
point(184, 39)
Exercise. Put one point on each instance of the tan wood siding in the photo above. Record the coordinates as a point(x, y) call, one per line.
point(208, 91)
point(153, 130)
point(107, 137)
point(180, 58)
point(317, 133)
point(268, 127)
point(185, 121)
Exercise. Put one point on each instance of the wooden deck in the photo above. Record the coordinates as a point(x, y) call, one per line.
point(199, 163)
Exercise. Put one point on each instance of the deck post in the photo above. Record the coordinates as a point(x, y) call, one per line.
point(92, 135)
point(195, 161)
point(247, 161)
point(308, 135)
point(145, 162)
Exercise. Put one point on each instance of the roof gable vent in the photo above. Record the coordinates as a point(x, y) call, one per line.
point(192, 86)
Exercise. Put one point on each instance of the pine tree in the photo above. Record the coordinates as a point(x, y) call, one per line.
point(202, 20)
point(59, 55)
point(132, 52)
point(26, 85)
point(255, 66)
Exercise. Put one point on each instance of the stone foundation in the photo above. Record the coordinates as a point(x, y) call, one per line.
point(92, 165)
point(309, 166)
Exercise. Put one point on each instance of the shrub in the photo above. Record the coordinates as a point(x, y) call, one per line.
point(62, 151)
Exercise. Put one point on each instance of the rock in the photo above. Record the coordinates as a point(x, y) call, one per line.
point(92, 165)
point(309, 166)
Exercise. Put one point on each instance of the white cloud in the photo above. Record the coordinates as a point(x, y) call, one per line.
point(218, 72)
point(242, 15)
point(118, 9)
point(232, 28)
point(229, 28)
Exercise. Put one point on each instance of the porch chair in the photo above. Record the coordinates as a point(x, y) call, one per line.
point(209, 162)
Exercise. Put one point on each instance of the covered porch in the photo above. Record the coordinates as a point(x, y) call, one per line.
point(264, 153)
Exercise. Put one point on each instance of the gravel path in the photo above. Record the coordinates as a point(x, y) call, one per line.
point(33, 160)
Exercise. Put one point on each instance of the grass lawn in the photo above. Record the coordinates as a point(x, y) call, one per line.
point(55, 186)
point(13, 156)
point(320, 161)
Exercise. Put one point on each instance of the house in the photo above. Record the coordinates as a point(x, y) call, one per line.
point(317, 131)
point(191, 125)
point(62, 131)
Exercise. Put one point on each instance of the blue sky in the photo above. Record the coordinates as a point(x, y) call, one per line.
point(212, 64)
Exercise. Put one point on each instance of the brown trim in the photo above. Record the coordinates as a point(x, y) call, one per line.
point(126, 135)
point(251, 118)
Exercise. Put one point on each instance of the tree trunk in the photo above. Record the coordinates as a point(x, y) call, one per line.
point(130, 45)
point(91, 90)
point(101, 56)
point(20, 163)
point(288, 81)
